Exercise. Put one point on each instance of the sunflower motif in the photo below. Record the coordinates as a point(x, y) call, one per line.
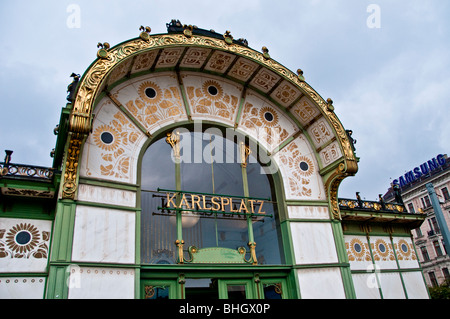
point(268, 116)
point(212, 89)
point(106, 137)
point(150, 92)
point(22, 238)
point(404, 248)
point(305, 166)
point(382, 248)
point(357, 248)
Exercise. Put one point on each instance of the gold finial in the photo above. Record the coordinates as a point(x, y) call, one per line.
point(330, 105)
point(103, 52)
point(228, 37)
point(173, 139)
point(145, 34)
point(245, 153)
point(300, 75)
point(188, 30)
point(265, 51)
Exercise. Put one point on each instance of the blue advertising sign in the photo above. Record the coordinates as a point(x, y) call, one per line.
point(420, 171)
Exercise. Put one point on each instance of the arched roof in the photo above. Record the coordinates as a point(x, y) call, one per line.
point(189, 49)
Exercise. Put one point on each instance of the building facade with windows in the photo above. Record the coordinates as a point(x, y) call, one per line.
point(190, 166)
point(432, 252)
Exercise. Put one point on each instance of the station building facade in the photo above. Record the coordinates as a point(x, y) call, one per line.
point(428, 238)
point(188, 165)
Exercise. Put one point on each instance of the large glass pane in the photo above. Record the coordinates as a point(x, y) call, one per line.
point(266, 230)
point(212, 168)
point(158, 230)
point(201, 289)
point(236, 292)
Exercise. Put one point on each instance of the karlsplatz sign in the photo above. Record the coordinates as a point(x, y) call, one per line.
point(422, 170)
point(213, 203)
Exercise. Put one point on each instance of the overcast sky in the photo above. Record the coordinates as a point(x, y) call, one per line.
point(385, 64)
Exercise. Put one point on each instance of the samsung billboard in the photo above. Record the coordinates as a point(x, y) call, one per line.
point(420, 171)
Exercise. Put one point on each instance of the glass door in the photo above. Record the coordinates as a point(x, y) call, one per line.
point(236, 289)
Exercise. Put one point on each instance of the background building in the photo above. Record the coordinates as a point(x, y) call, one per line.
point(433, 254)
point(188, 165)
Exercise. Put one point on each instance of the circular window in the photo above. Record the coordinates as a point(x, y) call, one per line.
point(357, 248)
point(304, 166)
point(404, 248)
point(212, 90)
point(268, 116)
point(23, 237)
point(107, 137)
point(150, 93)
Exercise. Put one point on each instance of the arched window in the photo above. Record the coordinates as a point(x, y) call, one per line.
point(214, 195)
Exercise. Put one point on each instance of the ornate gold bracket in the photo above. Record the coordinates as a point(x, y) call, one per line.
point(174, 140)
point(180, 244)
point(69, 187)
point(245, 153)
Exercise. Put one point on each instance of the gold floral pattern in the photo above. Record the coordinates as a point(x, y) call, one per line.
point(382, 251)
point(211, 100)
point(156, 106)
point(405, 251)
point(265, 123)
point(116, 159)
point(106, 129)
point(23, 241)
point(357, 250)
point(298, 179)
point(155, 89)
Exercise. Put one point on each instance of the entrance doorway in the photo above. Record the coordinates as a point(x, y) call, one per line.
point(195, 288)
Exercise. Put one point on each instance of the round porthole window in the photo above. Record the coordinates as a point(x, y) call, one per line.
point(268, 116)
point(150, 93)
point(213, 90)
point(107, 137)
point(404, 248)
point(304, 166)
point(23, 237)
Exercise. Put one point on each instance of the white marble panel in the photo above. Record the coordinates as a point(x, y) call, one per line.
point(308, 212)
point(391, 286)
point(300, 171)
point(320, 132)
point(406, 254)
point(330, 154)
point(114, 157)
point(24, 245)
point(106, 195)
point(358, 252)
point(264, 121)
point(212, 98)
point(415, 285)
point(104, 235)
point(383, 252)
point(305, 111)
point(160, 106)
point(313, 243)
point(101, 283)
point(366, 286)
point(321, 283)
point(22, 287)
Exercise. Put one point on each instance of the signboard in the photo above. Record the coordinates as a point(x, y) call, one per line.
point(421, 170)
